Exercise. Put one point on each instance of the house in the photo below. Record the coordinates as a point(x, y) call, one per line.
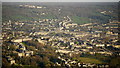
point(20, 40)
point(103, 12)
point(39, 7)
point(92, 52)
point(12, 61)
point(84, 65)
point(22, 47)
point(100, 45)
point(116, 46)
point(71, 43)
point(21, 54)
point(41, 41)
point(28, 53)
point(62, 47)
point(85, 50)
point(79, 64)
point(9, 58)
point(108, 53)
point(73, 62)
point(62, 51)
point(58, 64)
point(91, 65)
point(72, 25)
point(89, 47)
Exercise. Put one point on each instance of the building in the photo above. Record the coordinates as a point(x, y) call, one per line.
point(100, 45)
point(21, 54)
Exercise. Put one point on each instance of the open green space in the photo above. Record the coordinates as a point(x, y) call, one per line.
point(88, 60)
point(80, 20)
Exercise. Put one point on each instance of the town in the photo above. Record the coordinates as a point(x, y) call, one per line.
point(73, 43)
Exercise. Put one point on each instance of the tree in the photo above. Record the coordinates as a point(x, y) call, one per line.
point(115, 62)
point(5, 63)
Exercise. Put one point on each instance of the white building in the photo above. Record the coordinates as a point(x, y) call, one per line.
point(100, 45)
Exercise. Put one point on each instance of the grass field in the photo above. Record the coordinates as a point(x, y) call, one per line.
point(89, 60)
point(80, 20)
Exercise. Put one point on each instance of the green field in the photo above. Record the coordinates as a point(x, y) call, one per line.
point(89, 60)
point(80, 20)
